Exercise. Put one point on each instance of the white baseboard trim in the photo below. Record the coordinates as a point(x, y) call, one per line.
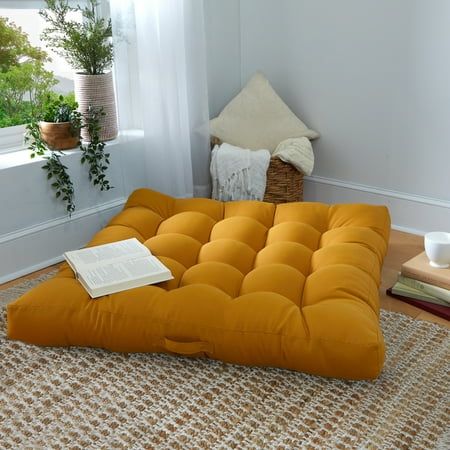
point(380, 191)
point(42, 245)
point(409, 212)
point(408, 230)
point(86, 212)
point(31, 269)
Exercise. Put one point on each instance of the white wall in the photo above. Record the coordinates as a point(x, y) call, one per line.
point(372, 77)
point(223, 52)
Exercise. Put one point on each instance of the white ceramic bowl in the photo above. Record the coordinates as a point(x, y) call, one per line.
point(437, 248)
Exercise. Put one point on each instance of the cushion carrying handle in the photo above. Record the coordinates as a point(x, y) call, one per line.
point(187, 348)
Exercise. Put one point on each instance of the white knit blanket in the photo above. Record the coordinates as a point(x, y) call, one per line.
point(238, 174)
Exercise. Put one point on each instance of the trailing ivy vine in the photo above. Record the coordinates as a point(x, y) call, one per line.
point(33, 137)
point(93, 153)
point(62, 184)
point(56, 170)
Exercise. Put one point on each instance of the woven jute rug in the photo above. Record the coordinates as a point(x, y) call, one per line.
point(88, 398)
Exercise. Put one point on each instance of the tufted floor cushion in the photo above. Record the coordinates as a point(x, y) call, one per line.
point(293, 285)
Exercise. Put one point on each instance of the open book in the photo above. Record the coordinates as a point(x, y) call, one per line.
point(109, 268)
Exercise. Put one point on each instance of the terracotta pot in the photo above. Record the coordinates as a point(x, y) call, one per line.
point(97, 91)
point(58, 135)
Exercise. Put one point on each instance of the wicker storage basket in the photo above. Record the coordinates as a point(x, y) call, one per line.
point(284, 182)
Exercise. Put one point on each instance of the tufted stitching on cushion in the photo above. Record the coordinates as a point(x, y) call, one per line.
point(112, 233)
point(236, 225)
point(140, 219)
point(255, 260)
point(243, 213)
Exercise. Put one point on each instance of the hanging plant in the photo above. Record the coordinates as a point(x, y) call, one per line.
point(94, 151)
point(62, 184)
point(62, 111)
point(56, 170)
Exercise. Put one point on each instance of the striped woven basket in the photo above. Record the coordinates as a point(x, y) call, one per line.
point(284, 182)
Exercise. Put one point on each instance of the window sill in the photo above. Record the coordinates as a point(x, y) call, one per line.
point(22, 157)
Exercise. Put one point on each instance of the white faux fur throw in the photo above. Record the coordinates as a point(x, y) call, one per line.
point(238, 174)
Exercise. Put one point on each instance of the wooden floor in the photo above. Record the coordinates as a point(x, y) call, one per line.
point(402, 246)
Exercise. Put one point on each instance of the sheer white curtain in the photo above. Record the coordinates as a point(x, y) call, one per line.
point(160, 72)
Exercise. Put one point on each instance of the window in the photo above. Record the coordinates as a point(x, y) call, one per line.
point(28, 70)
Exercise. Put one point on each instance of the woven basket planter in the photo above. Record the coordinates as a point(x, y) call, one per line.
point(284, 182)
point(97, 91)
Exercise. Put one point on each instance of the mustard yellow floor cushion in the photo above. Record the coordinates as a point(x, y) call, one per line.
point(293, 285)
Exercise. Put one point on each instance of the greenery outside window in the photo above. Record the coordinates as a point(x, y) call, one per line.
point(28, 70)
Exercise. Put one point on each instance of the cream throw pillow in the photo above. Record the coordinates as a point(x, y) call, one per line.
point(258, 118)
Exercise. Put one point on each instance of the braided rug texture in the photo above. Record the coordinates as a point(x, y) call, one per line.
point(82, 398)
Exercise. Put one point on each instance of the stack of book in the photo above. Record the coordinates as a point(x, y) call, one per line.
point(423, 286)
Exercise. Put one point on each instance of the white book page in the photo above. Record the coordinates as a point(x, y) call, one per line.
point(107, 253)
point(121, 271)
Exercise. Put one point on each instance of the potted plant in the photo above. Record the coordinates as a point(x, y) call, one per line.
point(58, 128)
point(60, 122)
point(87, 47)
